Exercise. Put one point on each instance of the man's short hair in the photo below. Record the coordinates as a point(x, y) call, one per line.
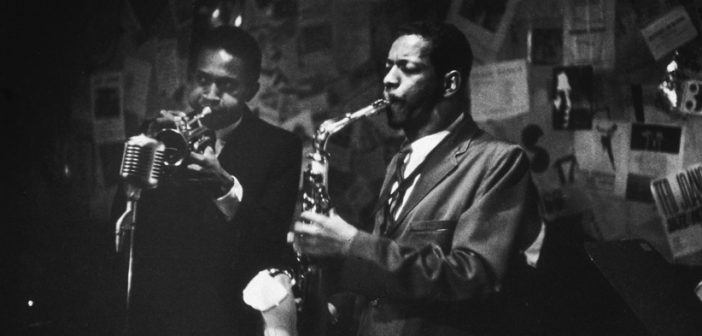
point(234, 41)
point(450, 49)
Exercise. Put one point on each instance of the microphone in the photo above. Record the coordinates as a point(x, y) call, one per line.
point(142, 166)
point(142, 162)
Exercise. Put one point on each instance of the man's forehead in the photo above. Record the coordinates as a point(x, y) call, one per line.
point(219, 60)
point(410, 46)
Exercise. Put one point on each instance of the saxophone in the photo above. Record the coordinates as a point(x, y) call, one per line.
point(308, 282)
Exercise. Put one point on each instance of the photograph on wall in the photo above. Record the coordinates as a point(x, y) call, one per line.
point(106, 105)
point(678, 199)
point(545, 46)
point(655, 151)
point(603, 154)
point(484, 22)
point(571, 89)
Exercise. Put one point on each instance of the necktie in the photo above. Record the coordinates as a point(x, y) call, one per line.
point(396, 196)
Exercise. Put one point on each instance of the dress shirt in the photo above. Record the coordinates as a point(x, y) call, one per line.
point(229, 202)
point(420, 149)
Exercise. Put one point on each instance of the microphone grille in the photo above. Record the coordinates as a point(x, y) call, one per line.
point(142, 161)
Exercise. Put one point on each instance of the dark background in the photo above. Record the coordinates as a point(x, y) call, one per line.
point(55, 255)
point(62, 265)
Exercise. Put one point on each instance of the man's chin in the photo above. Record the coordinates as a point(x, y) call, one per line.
point(218, 121)
point(394, 123)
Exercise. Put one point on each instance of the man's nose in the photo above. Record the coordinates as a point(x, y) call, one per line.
point(211, 94)
point(391, 80)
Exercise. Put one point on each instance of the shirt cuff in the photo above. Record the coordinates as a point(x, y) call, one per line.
point(228, 203)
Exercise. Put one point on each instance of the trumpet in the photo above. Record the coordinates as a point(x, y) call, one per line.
point(188, 135)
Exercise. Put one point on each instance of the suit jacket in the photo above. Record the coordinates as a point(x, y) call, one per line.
point(190, 263)
point(437, 270)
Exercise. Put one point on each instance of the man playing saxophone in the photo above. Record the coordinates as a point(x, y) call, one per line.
point(216, 220)
point(456, 207)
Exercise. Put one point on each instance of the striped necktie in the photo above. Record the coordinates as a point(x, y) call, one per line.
point(396, 196)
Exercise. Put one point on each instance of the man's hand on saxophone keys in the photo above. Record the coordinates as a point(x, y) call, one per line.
point(322, 236)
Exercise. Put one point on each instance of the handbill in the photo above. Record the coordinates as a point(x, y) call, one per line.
point(499, 90)
point(669, 32)
point(678, 198)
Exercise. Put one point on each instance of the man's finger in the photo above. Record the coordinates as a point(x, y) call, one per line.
point(172, 113)
point(195, 167)
point(306, 229)
point(197, 157)
point(314, 217)
point(209, 151)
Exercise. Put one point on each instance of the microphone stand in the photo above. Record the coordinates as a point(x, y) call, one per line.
point(142, 162)
point(127, 224)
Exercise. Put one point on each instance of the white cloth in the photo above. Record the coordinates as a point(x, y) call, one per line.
point(263, 292)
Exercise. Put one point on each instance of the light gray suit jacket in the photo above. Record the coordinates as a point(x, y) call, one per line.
point(471, 213)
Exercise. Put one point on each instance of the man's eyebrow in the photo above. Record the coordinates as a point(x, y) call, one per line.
point(400, 61)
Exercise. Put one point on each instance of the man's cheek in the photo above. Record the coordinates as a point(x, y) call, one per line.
point(194, 95)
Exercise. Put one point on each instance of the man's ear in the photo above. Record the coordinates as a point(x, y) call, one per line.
point(452, 83)
point(251, 90)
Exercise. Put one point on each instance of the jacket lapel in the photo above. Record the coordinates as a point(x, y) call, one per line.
point(440, 163)
point(384, 193)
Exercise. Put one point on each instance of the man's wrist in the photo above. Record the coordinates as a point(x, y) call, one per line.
point(347, 242)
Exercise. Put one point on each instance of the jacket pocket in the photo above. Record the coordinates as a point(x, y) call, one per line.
point(433, 226)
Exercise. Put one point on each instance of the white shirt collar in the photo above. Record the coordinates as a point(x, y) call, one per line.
point(424, 145)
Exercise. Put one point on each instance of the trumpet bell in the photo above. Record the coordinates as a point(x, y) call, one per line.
point(177, 147)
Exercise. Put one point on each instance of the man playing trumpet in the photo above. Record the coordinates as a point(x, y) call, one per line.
point(210, 226)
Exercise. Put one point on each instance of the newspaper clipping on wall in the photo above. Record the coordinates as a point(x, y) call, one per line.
point(679, 201)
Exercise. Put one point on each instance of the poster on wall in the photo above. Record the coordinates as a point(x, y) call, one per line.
point(678, 199)
point(106, 107)
point(166, 66)
point(602, 154)
point(315, 45)
point(484, 22)
point(352, 34)
point(588, 33)
point(137, 76)
point(668, 32)
point(499, 90)
point(655, 151)
point(571, 89)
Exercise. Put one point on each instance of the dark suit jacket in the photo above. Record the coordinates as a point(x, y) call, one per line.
point(435, 273)
point(191, 264)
